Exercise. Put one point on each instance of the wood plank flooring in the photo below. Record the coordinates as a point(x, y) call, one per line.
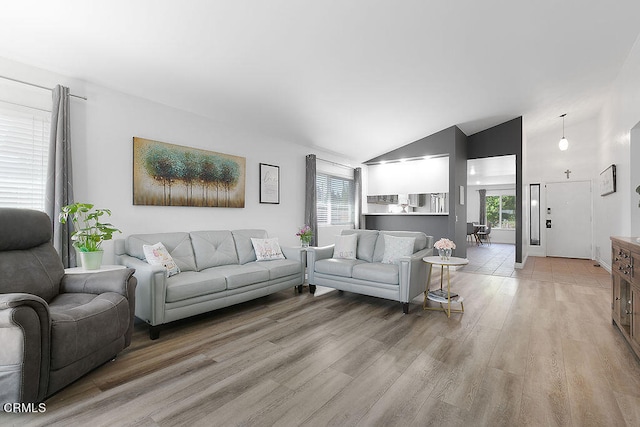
point(535, 349)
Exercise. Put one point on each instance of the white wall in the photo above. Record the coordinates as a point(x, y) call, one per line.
point(619, 115)
point(102, 134)
point(545, 163)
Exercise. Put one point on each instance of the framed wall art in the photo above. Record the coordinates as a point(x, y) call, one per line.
point(174, 175)
point(608, 180)
point(269, 183)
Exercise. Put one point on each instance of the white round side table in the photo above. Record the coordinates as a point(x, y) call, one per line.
point(441, 296)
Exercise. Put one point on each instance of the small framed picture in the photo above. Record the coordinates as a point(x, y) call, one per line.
point(269, 183)
point(608, 180)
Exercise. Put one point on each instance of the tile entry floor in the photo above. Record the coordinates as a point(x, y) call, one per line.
point(498, 259)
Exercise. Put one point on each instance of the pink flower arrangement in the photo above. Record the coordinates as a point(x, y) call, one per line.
point(444, 244)
point(305, 234)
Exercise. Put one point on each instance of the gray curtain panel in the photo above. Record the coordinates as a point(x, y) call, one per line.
point(59, 191)
point(357, 182)
point(483, 206)
point(310, 212)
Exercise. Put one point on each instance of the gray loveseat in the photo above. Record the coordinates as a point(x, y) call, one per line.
point(366, 274)
point(218, 269)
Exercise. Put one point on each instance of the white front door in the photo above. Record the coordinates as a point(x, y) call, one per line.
point(568, 219)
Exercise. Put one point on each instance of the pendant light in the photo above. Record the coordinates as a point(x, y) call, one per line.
point(563, 144)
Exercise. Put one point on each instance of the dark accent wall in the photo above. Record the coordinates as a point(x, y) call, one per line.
point(503, 140)
point(453, 143)
point(431, 225)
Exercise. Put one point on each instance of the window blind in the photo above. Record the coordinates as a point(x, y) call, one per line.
point(335, 200)
point(24, 146)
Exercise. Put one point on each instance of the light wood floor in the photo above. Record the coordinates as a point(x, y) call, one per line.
point(538, 349)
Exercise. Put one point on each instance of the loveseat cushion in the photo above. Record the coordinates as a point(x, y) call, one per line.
point(279, 268)
point(244, 247)
point(366, 242)
point(337, 267)
point(419, 244)
point(213, 248)
point(178, 244)
point(377, 272)
point(191, 284)
point(82, 324)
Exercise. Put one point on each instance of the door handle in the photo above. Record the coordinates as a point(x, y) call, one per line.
point(548, 223)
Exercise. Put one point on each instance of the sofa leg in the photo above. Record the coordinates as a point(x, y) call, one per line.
point(405, 307)
point(312, 289)
point(299, 289)
point(154, 332)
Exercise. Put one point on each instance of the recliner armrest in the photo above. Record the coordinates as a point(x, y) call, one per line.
point(99, 282)
point(25, 338)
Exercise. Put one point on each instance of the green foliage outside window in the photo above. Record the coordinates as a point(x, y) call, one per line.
point(501, 211)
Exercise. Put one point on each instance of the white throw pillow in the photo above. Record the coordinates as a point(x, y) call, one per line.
point(345, 246)
point(159, 255)
point(396, 247)
point(267, 249)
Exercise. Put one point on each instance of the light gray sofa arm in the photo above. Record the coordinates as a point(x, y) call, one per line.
point(413, 275)
point(25, 338)
point(151, 289)
point(316, 254)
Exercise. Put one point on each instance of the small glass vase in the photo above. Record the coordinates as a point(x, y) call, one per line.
point(304, 243)
point(445, 254)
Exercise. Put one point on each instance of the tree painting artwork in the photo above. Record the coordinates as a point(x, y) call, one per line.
point(173, 175)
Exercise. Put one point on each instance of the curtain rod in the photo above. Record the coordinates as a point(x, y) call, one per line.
point(334, 163)
point(38, 86)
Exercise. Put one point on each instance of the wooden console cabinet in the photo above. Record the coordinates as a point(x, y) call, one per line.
point(625, 289)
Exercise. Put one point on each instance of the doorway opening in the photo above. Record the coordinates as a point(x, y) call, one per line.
point(491, 207)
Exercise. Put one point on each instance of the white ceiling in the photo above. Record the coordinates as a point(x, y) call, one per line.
point(356, 77)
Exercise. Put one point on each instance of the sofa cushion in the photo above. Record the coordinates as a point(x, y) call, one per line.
point(366, 243)
point(238, 276)
point(337, 267)
point(397, 247)
point(82, 324)
point(244, 248)
point(419, 244)
point(346, 246)
point(377, 272)
point(193, 284)
point(178, 244)
point(279, 268)
point(213, 248)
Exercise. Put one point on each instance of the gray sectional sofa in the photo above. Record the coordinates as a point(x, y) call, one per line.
point(218, 269)
point(367, 274)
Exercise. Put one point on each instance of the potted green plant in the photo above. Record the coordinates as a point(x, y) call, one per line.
point(89, 231)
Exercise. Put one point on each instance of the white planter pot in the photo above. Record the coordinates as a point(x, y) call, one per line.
point(91, 260)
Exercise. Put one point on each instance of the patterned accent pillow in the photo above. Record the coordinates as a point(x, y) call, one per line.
point(267, 249)
point(159, 255)
point(346, 246)
point(396, 247)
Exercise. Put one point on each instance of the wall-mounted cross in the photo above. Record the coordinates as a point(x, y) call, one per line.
point(567, 172)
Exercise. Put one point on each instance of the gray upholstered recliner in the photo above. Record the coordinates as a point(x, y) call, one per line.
point(54, 327)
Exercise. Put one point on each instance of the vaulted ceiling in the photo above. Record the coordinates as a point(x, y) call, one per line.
point(356, 77)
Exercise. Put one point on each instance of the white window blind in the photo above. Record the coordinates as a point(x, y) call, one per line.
point(24, 142)
point(335, 199)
